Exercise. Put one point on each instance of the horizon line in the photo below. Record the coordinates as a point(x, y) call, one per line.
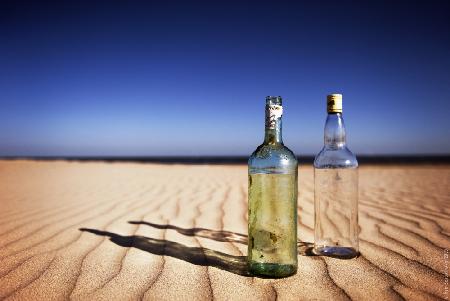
point(236, 159)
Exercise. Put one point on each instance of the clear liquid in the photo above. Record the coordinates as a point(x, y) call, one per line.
point(336, 212)
point(272, 247)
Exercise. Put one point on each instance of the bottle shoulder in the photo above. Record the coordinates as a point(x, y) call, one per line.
point(273, 157)
point(335, 158)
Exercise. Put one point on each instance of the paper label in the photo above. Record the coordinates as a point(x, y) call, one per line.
point(273, 112)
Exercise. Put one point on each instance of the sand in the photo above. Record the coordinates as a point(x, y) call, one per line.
point(125, 231)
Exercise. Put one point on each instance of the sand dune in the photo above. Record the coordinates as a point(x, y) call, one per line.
point(122, 231)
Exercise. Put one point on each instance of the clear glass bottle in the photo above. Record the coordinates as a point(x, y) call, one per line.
point(335, 189)
point(272, 198)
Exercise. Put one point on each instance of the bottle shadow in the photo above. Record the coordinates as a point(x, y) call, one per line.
point(305, 248)
point(195, 255)
point(222, 236)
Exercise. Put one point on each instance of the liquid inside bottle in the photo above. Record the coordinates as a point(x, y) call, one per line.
point(272, 196)
point(335, 190)
point(273, 234)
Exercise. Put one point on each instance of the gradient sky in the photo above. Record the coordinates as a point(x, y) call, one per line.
point(190, 78)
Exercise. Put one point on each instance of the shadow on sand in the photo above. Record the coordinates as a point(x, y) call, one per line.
point(195, 255)
point(223, 236)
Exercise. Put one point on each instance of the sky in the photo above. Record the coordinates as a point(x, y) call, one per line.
point(189, 78)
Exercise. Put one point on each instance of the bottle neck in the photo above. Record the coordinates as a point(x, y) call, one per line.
point(273, 127)
point(334, 137)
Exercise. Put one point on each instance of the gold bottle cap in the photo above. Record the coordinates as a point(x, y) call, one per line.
point(334, 103)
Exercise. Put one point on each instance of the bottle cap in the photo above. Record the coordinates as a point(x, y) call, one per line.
point(334, 103)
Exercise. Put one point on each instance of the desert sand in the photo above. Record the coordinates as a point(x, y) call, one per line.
point(127, 231)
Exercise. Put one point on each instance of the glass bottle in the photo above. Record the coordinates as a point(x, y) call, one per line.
point(335, 189)
point(272, 197)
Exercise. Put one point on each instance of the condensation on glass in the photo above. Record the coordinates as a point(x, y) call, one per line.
point(272, 208)
point(335, 189)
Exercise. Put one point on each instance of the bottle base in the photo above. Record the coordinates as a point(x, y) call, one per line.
point(272, 270)
point(336, 252)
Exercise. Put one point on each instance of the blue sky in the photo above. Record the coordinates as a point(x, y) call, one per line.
point(112, 78)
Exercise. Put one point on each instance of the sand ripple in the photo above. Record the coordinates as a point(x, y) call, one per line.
point(122, 231)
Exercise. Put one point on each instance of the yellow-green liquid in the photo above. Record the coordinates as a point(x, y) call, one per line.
point(272, 246)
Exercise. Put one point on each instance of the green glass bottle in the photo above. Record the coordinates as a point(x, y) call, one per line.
point(272, 201)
